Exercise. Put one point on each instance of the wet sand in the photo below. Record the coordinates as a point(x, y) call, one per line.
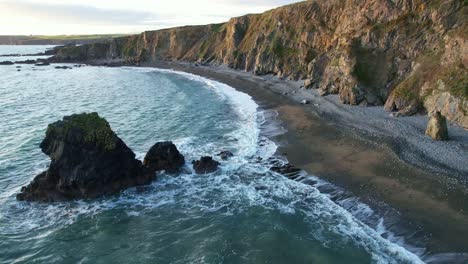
point(428, 196)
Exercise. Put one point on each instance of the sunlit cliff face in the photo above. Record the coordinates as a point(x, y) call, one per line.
point(54, 17)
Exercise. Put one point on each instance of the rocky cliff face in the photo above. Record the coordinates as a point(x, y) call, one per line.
point(409, 55)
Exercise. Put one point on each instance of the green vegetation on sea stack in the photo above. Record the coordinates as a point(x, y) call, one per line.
point(90, 127)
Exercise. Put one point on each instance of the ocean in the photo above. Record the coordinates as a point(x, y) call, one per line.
point(243, 213)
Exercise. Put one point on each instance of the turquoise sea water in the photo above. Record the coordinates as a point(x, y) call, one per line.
point(217, 218)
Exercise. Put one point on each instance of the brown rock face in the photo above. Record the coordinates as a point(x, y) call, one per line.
point(367, 51)
point(437, 127)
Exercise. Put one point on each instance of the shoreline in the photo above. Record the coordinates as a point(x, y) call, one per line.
point(371, 166)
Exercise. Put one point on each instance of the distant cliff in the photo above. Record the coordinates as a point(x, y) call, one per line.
point(54, 40)
point(409, 55)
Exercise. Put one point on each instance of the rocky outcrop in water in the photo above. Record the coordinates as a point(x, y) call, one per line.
point(26, 62)
point(6, 63)
point(42, 63)
point(437, 127)
point(410, 55)
point(205, 165)
point(88, 160)
point(164, 156)
point(225, 154)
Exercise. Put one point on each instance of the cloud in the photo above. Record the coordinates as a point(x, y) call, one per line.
point(119, 16)
point(75, 14)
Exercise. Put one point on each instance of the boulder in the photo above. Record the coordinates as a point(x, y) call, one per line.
point(6, 63)
point(225, 154)
point(205, 165)
point(437, 126)
point(308, 83)
point(88, 160)
point(164, 156)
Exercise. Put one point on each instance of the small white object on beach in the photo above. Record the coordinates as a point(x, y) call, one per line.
point(304, 102)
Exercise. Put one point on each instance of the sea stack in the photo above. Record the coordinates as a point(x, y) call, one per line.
point(437, 126)
point(88, 160)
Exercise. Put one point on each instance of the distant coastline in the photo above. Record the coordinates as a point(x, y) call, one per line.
point(56, 40)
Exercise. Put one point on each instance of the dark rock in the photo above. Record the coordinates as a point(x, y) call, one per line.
point(10, 55)
point(63, 67)
point(6, 63)
point(225, 154)
point(88, 160)
point(205, 165)
point(261, 188)
point(164, 156)
point(43, 63)
point(286, 169)
point(26, 62)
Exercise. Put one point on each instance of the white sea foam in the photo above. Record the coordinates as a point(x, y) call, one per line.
point(383, 250)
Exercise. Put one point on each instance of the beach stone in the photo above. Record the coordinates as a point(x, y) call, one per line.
point(304, 102)
point(88, 160)
point(437, 127)
point(164, 156)
point(205, 165)
point(225, 154)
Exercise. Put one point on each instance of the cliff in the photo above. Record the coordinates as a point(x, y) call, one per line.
point(409, 55)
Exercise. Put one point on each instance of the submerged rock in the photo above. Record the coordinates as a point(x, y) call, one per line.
point(286, 169)
point(88, 160)
point(437, 127)
point(164, 156)
point(205, 165)
point(225, 154)
point(42, 63)
point(63, 67)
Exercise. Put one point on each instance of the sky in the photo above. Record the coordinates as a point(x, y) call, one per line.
point(67, 17)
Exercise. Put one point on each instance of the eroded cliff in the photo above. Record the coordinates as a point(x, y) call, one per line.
point(409, 55)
